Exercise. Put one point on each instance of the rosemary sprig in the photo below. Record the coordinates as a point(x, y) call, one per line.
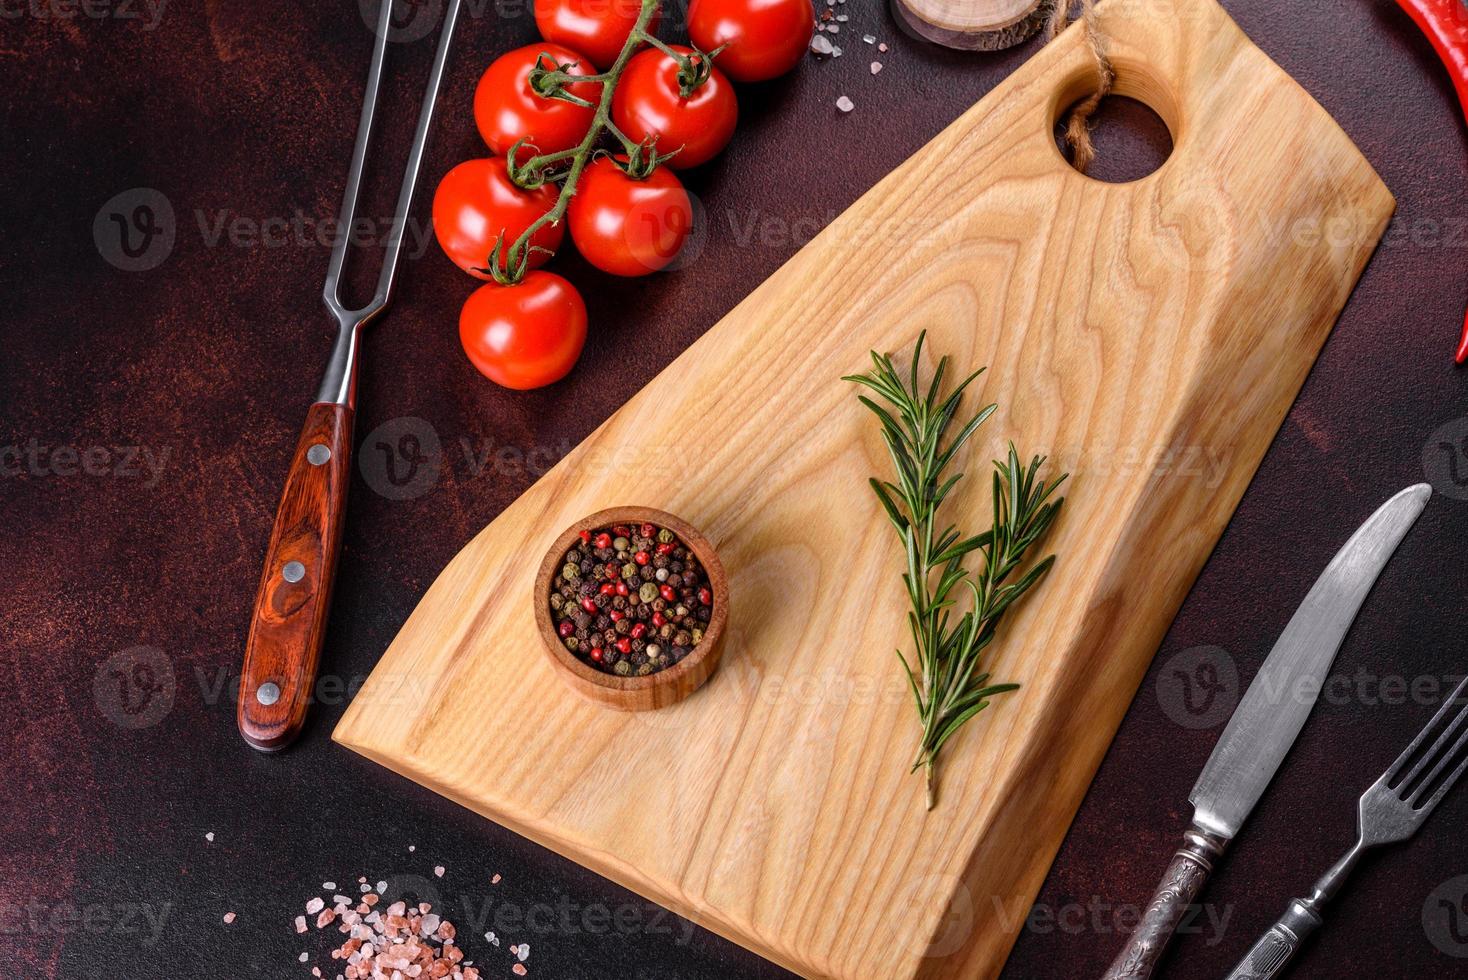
point(947, 683)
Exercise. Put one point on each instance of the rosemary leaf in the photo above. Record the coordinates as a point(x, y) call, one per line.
point(948, 687)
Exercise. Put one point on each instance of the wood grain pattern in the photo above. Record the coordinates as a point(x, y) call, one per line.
point(662, 688)
point(974, 25)
point(1150, 336)
point(289, 620)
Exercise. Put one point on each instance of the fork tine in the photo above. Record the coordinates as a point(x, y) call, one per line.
point(1444, 753)
point(1411, 750)
point(1424, 809)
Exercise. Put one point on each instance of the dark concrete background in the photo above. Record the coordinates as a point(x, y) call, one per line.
point(208, 359)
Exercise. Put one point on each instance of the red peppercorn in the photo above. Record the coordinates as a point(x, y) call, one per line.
point(614, 571)
point(586, 537)
point(658, 619)
point(589, 604)
point(596, 654)
point(642, 558)
point(603, 540)
point(622, 531)
point(616, 615)
point(648, 530)
point(666, 548)
point(566, 628)
point(706, 597)
point(625, 645)
point(666, 591)
point(608, 589)
point(638, 631)
point(622, 589)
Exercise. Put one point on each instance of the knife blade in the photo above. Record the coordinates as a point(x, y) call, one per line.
point(1267, 721)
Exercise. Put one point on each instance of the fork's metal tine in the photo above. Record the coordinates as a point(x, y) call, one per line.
point(347, 215)
point(415, 159)
point(331, 292)
point(1448, 784)
point(1443, 758)
point(1390, 775)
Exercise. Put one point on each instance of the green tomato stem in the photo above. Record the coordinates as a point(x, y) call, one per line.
point(516, 260)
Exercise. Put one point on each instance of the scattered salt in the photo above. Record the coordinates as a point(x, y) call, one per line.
point(869, 39)
point(845, 104)
point(209, 837)
point(519, 969)
point(314, 906)
point(522, 952)
point(495, 880)
point(328, 886)
point(303, 957)
point(438, 871)
point(300, 923)
point(381, 887)
point(228, 918)
point(882, 47)
point(820, 45)
point(876, 67)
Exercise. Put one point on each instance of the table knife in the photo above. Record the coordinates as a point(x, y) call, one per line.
point(1266, 723)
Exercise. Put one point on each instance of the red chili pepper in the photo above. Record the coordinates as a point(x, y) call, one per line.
point(1445, 22)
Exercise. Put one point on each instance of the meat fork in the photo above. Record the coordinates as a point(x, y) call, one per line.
point(1392, 810)
point(289, 620)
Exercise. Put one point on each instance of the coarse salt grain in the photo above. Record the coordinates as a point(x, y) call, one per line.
point(868, 38)
point(882, 47)
point(209, 837)
point(228, 917)
point(519, 969)
point(495, 880)
point(300, 923)
point(438, 871)
point(876, 67)
point(522, 953)
point(845, 104)
point(381, 887)
point(303, 957)
point(328, 886)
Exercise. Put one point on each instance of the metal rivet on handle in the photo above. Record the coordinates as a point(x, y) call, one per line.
point(318, 454)
point(293, 571)
point(269, 693)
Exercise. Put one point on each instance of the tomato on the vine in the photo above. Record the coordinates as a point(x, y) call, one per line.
point(598, 27)
point(507, 107)
point(526, 335)
point(476, 203)
point(629, 227)
point(765, 38)
point(649, 102)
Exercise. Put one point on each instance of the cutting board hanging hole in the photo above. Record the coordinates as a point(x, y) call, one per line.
point(1129, 140)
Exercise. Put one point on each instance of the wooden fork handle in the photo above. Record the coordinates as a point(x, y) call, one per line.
point(289, 620)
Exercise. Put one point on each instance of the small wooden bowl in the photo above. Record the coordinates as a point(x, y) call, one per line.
point(633, 693)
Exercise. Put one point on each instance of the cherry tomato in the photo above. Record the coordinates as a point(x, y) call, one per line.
point(765, 38)
point(629, 227)
point(597, 27)
point(476, 202)
point(526, 335)
point(649, 102)
point(506, 108)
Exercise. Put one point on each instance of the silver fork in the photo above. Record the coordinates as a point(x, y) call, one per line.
point(288, 624)
point(1392, 810)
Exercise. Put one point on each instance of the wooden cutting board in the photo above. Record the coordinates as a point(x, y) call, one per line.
point(1150, 336)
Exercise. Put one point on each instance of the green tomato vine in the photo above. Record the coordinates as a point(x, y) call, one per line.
point(508, 264)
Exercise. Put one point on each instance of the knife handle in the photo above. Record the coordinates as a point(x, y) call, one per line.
point(1185, 878)
point(1278, 946)
point(289, 620)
